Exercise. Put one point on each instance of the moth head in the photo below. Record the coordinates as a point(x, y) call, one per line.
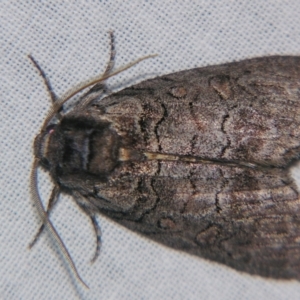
point(44, 144)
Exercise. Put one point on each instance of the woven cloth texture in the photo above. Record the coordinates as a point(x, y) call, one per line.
point(70, 41)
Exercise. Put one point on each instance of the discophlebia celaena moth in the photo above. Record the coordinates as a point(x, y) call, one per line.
point(197, 160)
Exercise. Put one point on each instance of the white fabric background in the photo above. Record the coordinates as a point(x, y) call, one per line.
point(70, 41)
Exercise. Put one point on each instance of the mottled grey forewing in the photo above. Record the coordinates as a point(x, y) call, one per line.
point(246, 219)
point(242, 112)
point(248, 111)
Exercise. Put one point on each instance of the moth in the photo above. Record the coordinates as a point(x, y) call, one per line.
point(197, 160)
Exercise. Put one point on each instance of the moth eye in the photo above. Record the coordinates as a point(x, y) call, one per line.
point(51, 128)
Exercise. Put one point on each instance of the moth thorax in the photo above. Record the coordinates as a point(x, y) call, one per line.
point(80, 146)
point(89, 146)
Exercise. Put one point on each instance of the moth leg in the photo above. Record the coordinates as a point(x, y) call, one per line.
point(111, 61)
point(89, 209)
point(110, 64)
point(98, 234)
point(52, 201)
point(101, 88)
point(47, 83)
